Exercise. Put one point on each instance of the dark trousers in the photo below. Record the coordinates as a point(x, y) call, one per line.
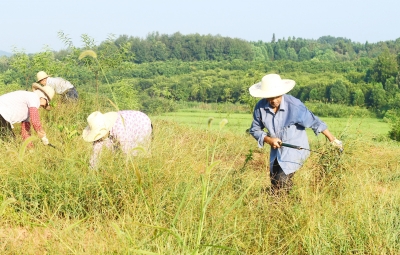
point(6, 131)
point(70, 95)
point(280, 182)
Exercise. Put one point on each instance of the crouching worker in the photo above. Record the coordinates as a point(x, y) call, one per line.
point(285, 119)
point(23, 107)
point(126, 130)
point(61, 86)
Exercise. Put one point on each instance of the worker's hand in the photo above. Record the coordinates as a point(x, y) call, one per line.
point(45, 141)
point(275, 143)
point(337, 143)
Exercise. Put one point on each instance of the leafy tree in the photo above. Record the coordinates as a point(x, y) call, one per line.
point(317, 94)
point(391, 86)
point(338, 92)
point(385, 67)
point(314, 95)
point(279, 53)
point(258, 53)
point(398, 59)
point(394, 132)
point(291, 54)
point(44, 61)
point(4, 63)
point(175, 45)
point(156, 105)
point(144, 84)
point(357, 98)
point(304, 54)
point(377, 97)
point(159, 51)
point(126, 96)
point(394, 103)
point(326, 55)
point(20, 63)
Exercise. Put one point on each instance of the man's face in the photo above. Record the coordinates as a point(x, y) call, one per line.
point(274, 101)
point(43, 81)
point(43, 102)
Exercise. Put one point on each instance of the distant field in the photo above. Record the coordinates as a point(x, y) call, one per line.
point(239, 122)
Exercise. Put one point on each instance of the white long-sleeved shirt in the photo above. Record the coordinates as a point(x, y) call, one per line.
point(59, 84)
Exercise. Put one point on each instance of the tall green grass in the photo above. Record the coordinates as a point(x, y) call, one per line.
point(201, 191)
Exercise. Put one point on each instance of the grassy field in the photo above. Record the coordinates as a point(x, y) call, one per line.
point(202, 191)
point(239, 122)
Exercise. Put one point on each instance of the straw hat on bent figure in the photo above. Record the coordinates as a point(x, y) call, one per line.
point(99, 125)
point(41, 75)
point(45, 92)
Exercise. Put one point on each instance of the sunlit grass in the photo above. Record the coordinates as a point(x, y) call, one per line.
point(202, 190)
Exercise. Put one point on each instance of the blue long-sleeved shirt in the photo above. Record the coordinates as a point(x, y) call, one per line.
point(288, 124)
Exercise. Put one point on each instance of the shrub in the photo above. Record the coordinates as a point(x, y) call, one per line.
point(394, 133)
point(338, 110)
point(157, 105)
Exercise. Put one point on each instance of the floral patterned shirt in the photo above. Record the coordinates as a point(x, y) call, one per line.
point(131, 130)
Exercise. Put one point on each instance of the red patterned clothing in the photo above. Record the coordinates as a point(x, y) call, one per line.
point(35, 120)
point(22, 107)
point(131, 130)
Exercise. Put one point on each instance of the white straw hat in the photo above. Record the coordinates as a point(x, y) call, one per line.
point(99, 125)
point(41, 75)
point(271, 85)
point(45, 90)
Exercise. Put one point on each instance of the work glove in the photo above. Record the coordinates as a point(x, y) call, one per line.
point(337, 143)
point(45, 141)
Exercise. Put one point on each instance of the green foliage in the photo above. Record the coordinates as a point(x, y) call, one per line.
point(20, 63)
point(338, 92)
point(156, 105)
point(68, 62)
point(377, 97)
point(304, 54)
point(9, 88)
point(112, 55)
point(385, 67)
point(394, 133)
point(126, 96)
point(393, 118)
point(338, 110)
point(291, 54)
point(183, 68)
point(357, 98)
point(4, 63)
point(44, 61)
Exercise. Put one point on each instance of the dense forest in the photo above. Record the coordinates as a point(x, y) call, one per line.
point(156, 72)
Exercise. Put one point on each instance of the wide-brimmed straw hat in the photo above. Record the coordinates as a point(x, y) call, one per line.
point(44, 91)
point(99, 125)
point(271, 85)
point(41, 75)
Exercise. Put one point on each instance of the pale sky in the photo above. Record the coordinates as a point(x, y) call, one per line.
point(31, 25)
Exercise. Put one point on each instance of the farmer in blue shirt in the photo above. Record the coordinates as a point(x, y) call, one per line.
point(280, 118)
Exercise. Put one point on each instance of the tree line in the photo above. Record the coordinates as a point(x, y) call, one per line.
point(195, 47)
point(160, 70)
